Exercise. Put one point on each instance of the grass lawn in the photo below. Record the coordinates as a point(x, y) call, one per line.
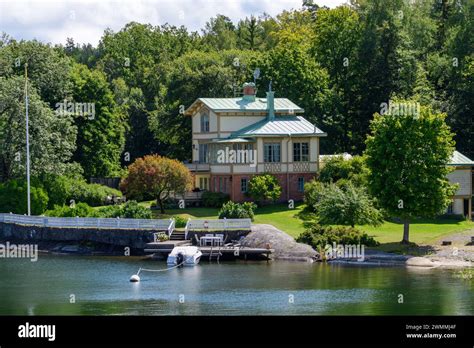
point(421, 231)
point(277, 215)
point(289, 221)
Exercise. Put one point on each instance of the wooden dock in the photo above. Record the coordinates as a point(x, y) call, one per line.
point(227, 252)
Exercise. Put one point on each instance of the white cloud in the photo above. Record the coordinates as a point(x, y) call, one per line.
point(85, 20)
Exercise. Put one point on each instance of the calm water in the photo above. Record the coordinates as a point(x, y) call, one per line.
point(101, 286)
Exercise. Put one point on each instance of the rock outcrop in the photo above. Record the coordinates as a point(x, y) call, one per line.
point(419, 262)
point(284, 246)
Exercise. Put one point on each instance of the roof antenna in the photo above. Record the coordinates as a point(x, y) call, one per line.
point(256, 75)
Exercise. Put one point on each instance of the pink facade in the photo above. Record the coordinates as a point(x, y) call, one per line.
point(291, 185)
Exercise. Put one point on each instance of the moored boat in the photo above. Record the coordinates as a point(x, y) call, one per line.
point(184, 256)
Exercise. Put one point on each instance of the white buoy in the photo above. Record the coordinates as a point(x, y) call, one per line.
point(135, 278)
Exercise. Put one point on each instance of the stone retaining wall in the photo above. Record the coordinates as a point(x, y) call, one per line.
point(132, 238)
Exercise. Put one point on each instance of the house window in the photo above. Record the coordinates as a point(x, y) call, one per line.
point(204, 183)
point(271, 152)
point(222, 184)
point(300, 152)
point(244, 185)
point(301, 184)
point(450, 208)
point(204, 122)
point(203, 153)
point(244, 153)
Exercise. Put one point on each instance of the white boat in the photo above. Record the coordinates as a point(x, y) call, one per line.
point(184, 256)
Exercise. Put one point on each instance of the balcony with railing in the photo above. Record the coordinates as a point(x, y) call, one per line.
point(198, 167)
point(272, 167)
point(301, 167)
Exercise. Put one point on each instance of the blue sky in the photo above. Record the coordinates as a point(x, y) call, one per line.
point(85, 20)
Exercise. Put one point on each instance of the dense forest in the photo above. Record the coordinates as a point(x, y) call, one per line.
point(94, 110)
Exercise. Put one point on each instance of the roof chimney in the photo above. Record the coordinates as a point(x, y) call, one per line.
point(249, 91)
point(270, 103)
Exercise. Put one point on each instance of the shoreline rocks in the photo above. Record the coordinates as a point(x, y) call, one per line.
point(419, 262)
point(285, 247)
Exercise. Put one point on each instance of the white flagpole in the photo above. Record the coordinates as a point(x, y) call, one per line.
point(27, 141)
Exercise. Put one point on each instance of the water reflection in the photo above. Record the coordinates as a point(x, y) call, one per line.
point(101, 286)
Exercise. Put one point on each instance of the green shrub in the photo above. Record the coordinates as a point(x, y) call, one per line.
point(319, 236)
point(129, 210)
point(92, 194)
point(132, 210)
point(350, 205)
point(312, 193)
point(109, 211)
point(57, 188)
point(80, 210)
point(214, 199)
point(231, 210)
point(62, 189)
point(162, 237)
point(337, 168)
point(180, 221)
point(13, 197)
point(264, 187)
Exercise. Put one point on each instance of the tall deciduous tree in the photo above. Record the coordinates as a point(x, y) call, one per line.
point(100, 138)
point(158, 176)
point(48, 68)
point(407, 155)
point(52, 137)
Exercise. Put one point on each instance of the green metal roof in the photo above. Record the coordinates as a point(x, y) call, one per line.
point(240, 104)
point(458, 159)
point(281, 125)
point(233, 140)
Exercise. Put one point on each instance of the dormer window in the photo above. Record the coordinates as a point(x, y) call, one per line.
point(204, 122)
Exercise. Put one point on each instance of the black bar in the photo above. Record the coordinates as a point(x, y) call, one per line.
point(258, 330)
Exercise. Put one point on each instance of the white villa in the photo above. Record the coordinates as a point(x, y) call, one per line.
point(236, 138)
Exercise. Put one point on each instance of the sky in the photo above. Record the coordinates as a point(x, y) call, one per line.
point(85, 20)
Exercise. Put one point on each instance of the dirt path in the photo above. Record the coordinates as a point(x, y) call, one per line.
point(459, 252)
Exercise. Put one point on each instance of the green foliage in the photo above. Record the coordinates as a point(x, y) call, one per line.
point(407, 156)
point(74, 210)
point(312, 193)
point(233, 210)
point(92, 194)
point(158, 176)
point(319, 236)
point(129, 210)
point(191, 76)
point(101, 135)
point(180, 222)
point(62, 190)
point(108, 211)
point(337, 168)
point(52, 137)
point(162, 237)
point(214, 199)
point(264, 187)
point(43, 62)
point(13, 198)
point(350, 205)
point(132, 210)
